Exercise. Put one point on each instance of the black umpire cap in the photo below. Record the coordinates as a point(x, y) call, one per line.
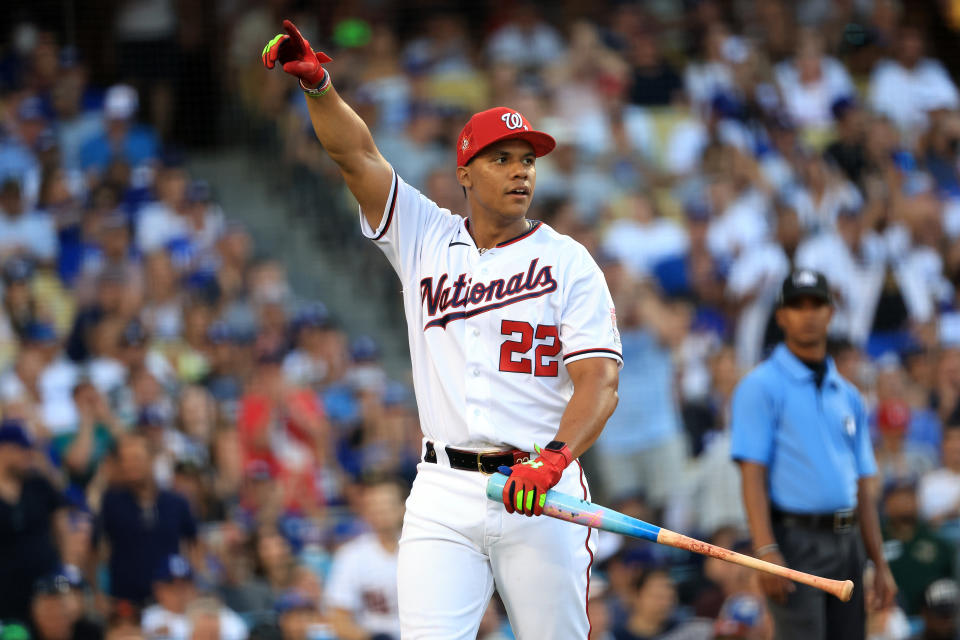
point(804, 283)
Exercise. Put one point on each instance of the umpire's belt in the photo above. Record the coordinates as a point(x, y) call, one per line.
point(486, 462)
point(838, 521)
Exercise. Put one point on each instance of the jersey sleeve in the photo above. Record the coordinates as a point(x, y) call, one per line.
point(752, 422)
point(588, 327)
point(341, 591)
point(407, 217)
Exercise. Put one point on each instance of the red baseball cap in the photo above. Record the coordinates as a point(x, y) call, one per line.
point(893, 416)
point(494, 125)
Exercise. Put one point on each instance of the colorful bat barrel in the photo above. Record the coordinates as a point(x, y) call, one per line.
point(566, 507)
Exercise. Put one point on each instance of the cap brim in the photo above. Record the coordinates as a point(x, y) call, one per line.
point(806, 293)
point(541, 142)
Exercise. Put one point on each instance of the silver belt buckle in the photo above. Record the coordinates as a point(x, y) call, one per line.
point(843, 520)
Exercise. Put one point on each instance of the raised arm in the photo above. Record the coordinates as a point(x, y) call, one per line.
point(338, 127)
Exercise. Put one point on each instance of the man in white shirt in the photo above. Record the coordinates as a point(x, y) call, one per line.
point(174, 592)
point(23, 231)
point(362, 588)
point(939, 491)
point(906, 88)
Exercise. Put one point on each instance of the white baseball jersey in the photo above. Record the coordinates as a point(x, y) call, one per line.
point(363, 580)
point(490, 332)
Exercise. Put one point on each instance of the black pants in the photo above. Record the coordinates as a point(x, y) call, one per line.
point(811, 614)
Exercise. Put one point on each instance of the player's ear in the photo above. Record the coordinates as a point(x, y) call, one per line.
point(777, 315)
point(463, 177)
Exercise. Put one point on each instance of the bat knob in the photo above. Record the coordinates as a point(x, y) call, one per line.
point(846, 590)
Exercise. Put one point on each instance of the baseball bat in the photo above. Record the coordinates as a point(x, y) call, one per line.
point(579, 511)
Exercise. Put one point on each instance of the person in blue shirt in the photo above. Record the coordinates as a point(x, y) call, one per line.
point(142, 524)
point(800, 435)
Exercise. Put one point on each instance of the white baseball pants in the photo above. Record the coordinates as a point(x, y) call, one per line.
point(457, 545)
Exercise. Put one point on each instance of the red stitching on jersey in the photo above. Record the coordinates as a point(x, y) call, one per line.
point(586, 544)
point(598, 349)
point(393, 205)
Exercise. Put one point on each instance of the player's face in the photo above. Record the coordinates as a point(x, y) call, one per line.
point(804, 321)
point(502, 177)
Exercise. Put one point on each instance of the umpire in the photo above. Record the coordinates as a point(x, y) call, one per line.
point(800, 436)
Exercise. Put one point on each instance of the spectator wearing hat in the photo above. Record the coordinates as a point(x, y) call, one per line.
point(32, 519)
point(299, 618)
point(123, 140)
point(897, 457)
point(224, 375)
point(742, 617)
point(162, 220)
point(109, 248)
point(24, 231)
point(18, 306)
point(800, 435)
point(939, 491)
point(847, 151)
point(172, 616)
point(306, 364)
point(142, 524)
point(18, 161)
point(941, 602)
point(56, 610)
point(917, 556)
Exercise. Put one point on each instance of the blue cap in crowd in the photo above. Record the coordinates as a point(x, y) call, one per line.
point(738, 616)
point(153, 415)
point(13, 432)
point(38, 331)
point(841, 106)
point(175, 567)
point(314, 315)
point(219, 332)
point(134, 334)
point(364, 349)
point(17, 269)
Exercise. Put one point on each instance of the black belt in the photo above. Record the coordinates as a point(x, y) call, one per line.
point(486, 463)
point(838, 521)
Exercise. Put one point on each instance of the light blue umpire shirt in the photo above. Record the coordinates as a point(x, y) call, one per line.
point(815, 442)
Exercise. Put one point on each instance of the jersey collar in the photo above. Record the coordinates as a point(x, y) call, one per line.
point(793, 366)
point(526, 234)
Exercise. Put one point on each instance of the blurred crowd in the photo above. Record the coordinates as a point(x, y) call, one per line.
point(190, 450)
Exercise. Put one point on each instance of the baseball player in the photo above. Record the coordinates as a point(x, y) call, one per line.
point(515, 356)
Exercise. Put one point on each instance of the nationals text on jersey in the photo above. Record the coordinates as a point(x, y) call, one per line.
point(520, 286)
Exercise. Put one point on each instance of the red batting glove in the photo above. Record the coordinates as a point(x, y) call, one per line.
point(526, 489)
point(294, 54)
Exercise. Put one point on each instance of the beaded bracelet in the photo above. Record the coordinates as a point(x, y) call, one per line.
point(318, 91)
